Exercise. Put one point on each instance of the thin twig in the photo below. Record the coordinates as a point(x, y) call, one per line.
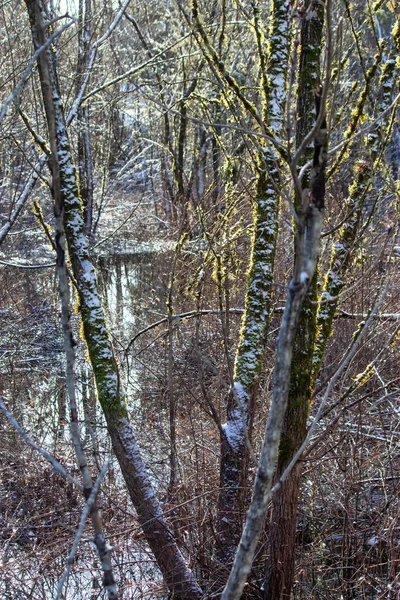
point(56, 465)
point(187, 315)
point(95, 47)
point(86, 510)
point(327, 394)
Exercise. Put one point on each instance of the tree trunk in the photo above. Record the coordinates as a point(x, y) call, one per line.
point(83, 132)
point(344, 249)
point(312, 338)
point(310, 219)
point(282, 531)
point(110, 392)
point(236, 433)
point(282, 528)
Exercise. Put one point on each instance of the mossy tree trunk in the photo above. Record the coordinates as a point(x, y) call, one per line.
point(282, 527)
point(236, 432)
point(310, 219)
point(345, 248)
point(316, 318)
point(110, 391)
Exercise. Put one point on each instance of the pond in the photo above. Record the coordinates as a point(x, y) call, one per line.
point(38, 513)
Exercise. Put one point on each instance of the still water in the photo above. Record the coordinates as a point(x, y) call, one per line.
point(36, 538)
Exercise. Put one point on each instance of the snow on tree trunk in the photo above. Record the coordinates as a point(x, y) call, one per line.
point(311, 223)
point(282, 526)
point(236, 433)
point(110, 391)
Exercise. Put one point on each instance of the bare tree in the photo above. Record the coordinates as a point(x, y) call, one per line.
point(110, 391)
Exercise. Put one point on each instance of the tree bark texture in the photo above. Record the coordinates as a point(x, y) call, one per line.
point(84, 157)
point(236, 432)
point(110, 392)
point(282, 527)
point(310, 224)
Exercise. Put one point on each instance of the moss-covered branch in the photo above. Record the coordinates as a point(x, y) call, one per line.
point(110, 391)
point(357, 113)
point(215, 62)
point(344, 248)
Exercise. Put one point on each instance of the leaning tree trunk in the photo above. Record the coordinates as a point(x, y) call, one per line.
point(344, 250)
point(282, 527)
point(110, 392)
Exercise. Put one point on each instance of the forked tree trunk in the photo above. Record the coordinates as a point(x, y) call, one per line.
point(310, 220)
point(110, 392)
point(282, 527)
point(236, 433)
point(316, 320)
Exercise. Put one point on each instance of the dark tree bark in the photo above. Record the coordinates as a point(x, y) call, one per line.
point(282, 527)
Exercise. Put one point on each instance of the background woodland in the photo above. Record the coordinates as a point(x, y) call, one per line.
point(199, 299)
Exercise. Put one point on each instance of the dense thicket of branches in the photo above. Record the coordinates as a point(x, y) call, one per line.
point(199, 299)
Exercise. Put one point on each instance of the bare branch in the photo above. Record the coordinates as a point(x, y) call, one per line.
point(87, 508)
point(92, 57)
point(23, 198)
point(327, 394)
point(56, 465)
point(119, 78)
point(15, 96)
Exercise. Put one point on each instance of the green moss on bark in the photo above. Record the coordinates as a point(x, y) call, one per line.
point(249, 356)
point(343, 250)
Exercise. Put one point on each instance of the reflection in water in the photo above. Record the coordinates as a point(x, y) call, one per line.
point(134, 289)
point(32, 377)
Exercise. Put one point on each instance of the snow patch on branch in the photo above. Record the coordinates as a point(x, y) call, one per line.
point(304, 277)
point(235, 428)
point(234, 432)
point(134, 456)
